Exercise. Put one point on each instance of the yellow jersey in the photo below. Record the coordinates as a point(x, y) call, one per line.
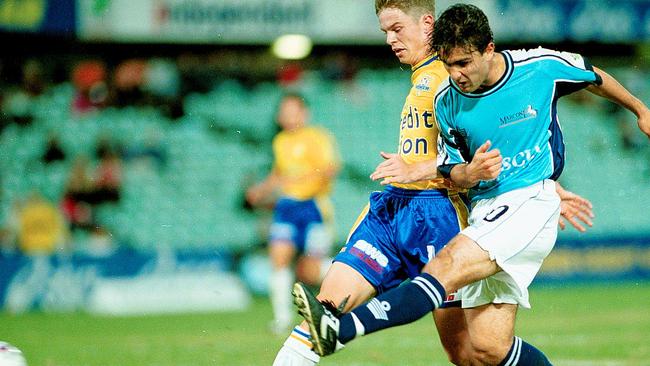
point(303, 158)
point(418, 129)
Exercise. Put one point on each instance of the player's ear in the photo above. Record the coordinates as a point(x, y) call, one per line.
point(428, 20)
point(489, 51)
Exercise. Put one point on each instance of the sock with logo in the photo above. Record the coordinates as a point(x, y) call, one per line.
point(524, 354)
point(297, 350)
point(402, 305)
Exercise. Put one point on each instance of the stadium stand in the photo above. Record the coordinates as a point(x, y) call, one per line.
point(194, 199)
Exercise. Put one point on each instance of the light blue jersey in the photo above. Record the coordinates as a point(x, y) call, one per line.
point(518, 115)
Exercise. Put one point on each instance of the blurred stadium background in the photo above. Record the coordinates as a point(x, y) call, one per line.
point(170, 103)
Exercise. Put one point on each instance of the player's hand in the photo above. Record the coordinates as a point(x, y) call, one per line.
point(574, 209)
point(485, 165)
point(392, 170)
point(254, 195)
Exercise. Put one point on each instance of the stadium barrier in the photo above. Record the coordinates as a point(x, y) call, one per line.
point(124, 282)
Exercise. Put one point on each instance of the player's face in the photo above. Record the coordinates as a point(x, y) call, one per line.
point(468, 68)
point(407, 36)
point(292, 114)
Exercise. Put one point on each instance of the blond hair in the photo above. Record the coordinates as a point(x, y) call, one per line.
point(412, 7)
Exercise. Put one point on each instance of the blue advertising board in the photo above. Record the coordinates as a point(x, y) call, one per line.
point(121, 282)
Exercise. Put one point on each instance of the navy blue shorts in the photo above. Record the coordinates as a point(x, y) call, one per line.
point(400, 231)
point(301, 223)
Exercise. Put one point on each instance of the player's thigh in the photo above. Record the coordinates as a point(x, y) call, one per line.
point(281, 253)
point(461, 262)
point(453, 333)
point(491, 330)
point(342, 281)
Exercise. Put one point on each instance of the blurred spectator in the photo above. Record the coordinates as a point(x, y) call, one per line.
point(91, 92)
point(77, 196)
point(41, 226)
point(17, 103)
point(34, 80)
point(289, 73)
point(53, 150)
point(108, 177)
point(162, 83)
point(162, 79)
point(128, 79)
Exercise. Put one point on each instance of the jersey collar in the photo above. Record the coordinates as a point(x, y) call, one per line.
point(424, 62)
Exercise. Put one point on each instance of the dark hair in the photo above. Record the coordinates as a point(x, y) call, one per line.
point(461, 25)
point(422, 6)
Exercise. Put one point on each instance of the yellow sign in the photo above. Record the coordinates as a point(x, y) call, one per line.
point(25, 14)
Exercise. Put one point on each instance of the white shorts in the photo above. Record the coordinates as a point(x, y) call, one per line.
point(518, 229)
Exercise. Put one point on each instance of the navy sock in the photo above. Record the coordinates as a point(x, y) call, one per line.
point(402, 305)
point(524, 354)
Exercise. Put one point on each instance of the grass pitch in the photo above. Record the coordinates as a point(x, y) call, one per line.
point(574, 325)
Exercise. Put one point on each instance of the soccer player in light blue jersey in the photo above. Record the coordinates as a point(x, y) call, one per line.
point(500, 138)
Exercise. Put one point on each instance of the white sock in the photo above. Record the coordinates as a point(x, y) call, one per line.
point(296, 350)
point(280, 291)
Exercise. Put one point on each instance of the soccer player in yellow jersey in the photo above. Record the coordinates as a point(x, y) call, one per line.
point(41, 226)
point(305, 165)
point(408, 223)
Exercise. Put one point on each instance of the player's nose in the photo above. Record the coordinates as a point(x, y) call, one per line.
point(455, 75)
point(390, 38)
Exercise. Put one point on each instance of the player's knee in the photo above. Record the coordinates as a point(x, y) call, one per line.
point(489, 352)
point(442, 268)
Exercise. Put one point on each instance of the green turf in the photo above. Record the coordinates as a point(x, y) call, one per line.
point(575, 326)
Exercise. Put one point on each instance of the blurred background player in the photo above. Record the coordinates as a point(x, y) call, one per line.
point(306, 163)
point(407, 223)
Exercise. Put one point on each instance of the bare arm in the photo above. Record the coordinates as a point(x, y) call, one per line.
point(614, 91)
point(257, 193)
point(395, 170)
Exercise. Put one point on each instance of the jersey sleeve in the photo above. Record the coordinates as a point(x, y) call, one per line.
point(451, 144)
point(328, 156)
point(571, 71)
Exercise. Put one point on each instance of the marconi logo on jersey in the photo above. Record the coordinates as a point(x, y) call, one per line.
point(527, 113)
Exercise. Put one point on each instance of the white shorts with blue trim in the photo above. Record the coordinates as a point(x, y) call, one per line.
point(518, 229)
